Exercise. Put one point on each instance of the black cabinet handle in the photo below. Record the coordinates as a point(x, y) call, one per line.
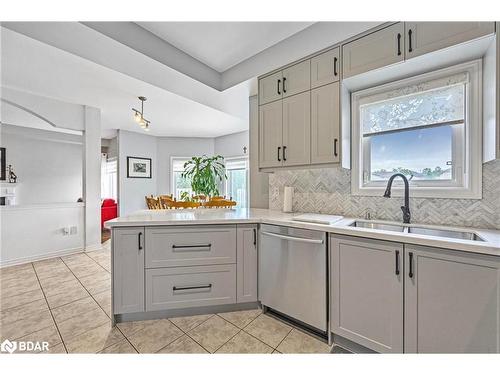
point(335, 145)
point(397, 262)
point(410, 49)
point(284, 86)
point(279, 81)
point(203, 246)
point(335, 66)
point(139, 240)
point(410, 263)
point(279, 148)
point(399, 44)
point(254, 237)
point(176, 288)
point(284, 153)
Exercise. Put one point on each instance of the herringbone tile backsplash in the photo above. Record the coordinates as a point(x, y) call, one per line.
point(328, 190)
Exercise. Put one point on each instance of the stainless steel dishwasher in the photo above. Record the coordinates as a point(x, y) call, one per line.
point(292, 273)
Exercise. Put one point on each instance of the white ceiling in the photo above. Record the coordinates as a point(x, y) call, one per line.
point(221, 45)
point(35, 67)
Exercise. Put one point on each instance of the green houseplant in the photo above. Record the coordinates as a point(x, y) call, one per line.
point(205, 173)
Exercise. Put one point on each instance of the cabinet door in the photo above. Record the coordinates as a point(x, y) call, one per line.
point(270, 88)
point(325, 68)
point(128, 270)
point(325, 124)
point(452, 302)
point(246, 266)
point(271, 134)
point(367, 292)
point(297, 78)
point(376, 50)
point(424, 37)
point(297, 129)
point(498, 89)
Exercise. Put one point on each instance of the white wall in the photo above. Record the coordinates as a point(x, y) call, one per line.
point(259, 182)
point(232, 144)
point(25, 239)
point(170, 146)
point(131, 191)
point(48, 164)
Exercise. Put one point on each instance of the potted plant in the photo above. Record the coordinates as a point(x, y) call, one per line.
point(205, 174)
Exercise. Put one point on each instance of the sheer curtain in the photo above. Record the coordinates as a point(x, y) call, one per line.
point(109, 178)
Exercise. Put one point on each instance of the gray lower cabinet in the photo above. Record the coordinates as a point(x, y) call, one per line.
point(452, 302)
point(128, 270)
point(366, 303)
point(183, 287)
point(246, 266)
point(190, 245)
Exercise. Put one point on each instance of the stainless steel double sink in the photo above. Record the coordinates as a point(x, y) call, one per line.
point(431, 232)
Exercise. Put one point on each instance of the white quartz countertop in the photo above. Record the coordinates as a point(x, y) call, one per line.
point(490, 245)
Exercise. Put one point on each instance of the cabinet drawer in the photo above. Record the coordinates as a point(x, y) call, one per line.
point(190, 246)
point(183, 287)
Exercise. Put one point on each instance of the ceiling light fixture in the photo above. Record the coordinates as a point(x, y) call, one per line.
point(139, 115)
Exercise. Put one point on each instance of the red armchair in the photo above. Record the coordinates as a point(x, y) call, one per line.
point(109, 210)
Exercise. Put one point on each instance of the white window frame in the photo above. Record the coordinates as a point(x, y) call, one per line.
point(470, 187)
point(226, 183)
point(174, 159)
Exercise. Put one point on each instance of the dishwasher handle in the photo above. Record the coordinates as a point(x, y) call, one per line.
point(292, 238)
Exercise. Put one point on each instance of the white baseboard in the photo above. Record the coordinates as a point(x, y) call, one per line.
point(35, 258)
point(94, 247)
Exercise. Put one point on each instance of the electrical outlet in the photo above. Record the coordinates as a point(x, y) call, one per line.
point(65, 231)
point(73, 230)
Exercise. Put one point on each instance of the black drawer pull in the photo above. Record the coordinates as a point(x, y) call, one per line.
point(399, 44)
point(279, 81)
point(139, 240)
point(397, 262)
point(178, 288)
point(410, 263)
point(335, 66)
point(410, 49)
point(207, 246)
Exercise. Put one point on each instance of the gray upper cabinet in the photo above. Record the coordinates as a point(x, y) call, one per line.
point(325, 68)
point(297, 78)
point(325, 124)
point(376, 50)
point(246, 266)
point(366, 303)
point(270, 88)
point(297, 129)
point(452, 302)
point(270, 134)
point(425, 37)
point(128, 270)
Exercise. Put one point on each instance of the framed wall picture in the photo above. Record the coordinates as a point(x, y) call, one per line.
point(138, 167)
point(3, 172)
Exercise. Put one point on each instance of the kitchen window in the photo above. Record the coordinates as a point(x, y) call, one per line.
point(237, 180)
point(179, 184)
point(426, 127)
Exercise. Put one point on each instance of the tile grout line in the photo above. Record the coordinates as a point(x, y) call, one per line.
point(50, 311)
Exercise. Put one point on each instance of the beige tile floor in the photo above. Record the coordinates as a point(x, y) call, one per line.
point(66, 301)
